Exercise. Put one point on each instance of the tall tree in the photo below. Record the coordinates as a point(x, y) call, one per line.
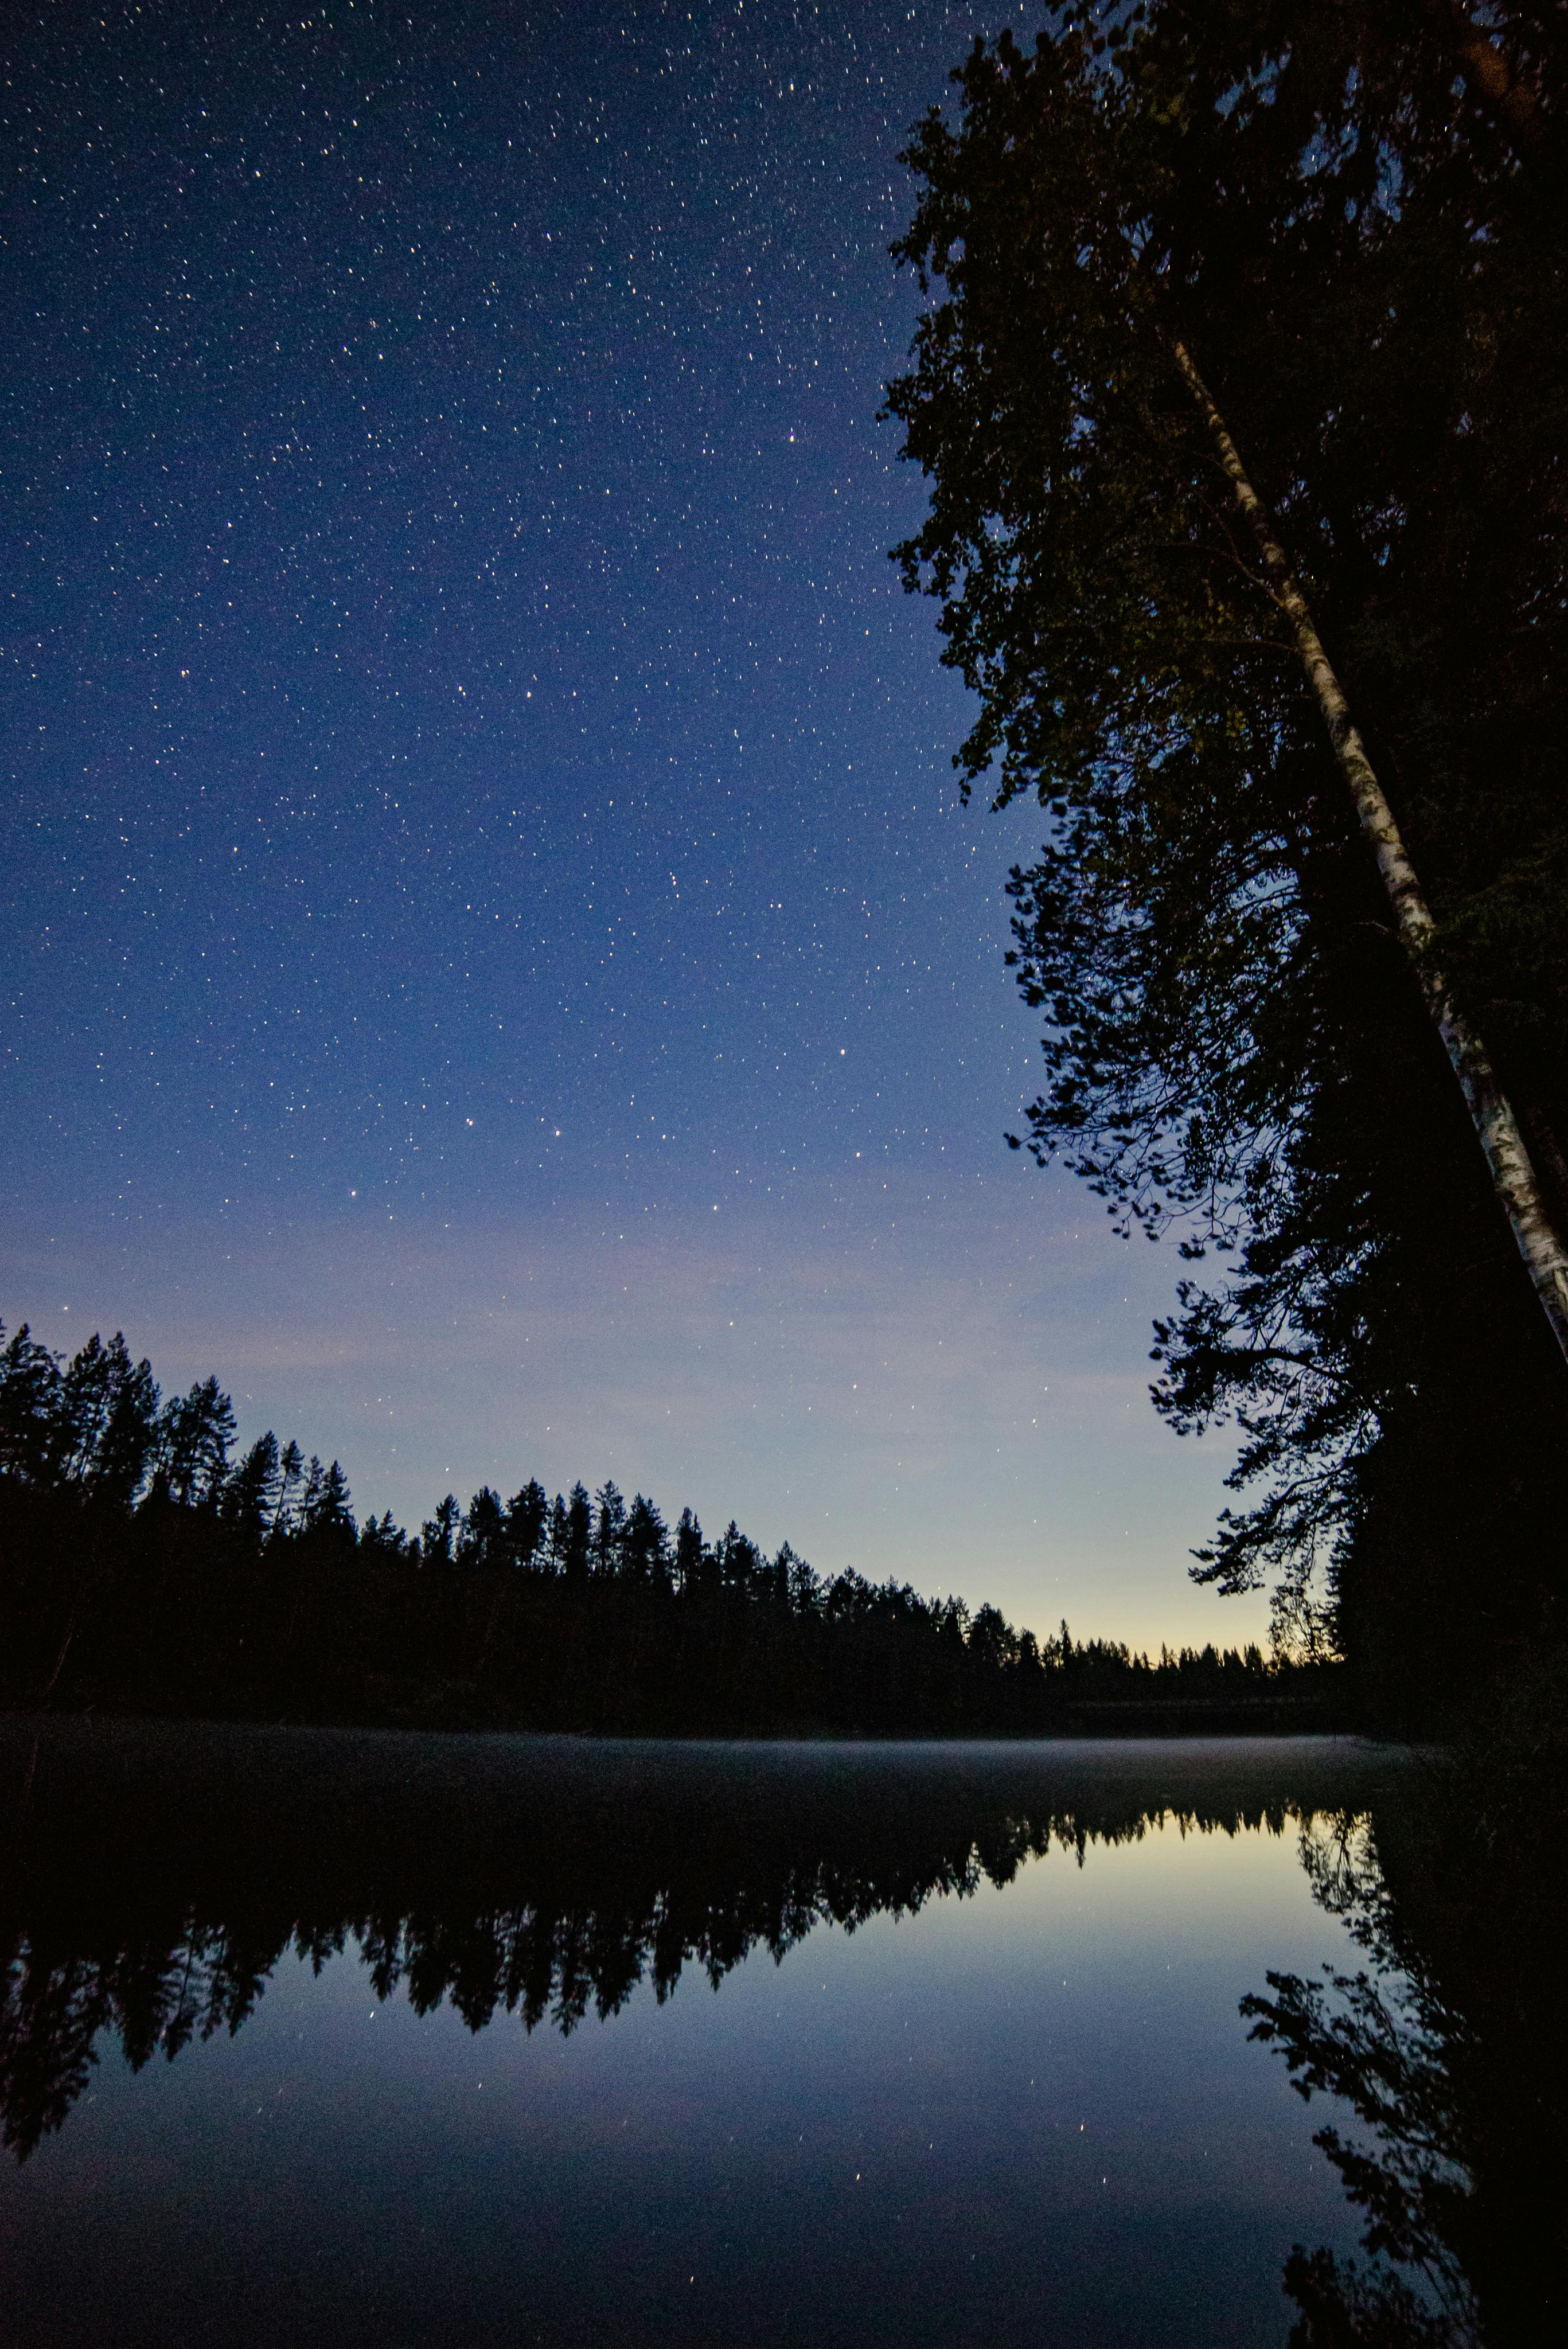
point(127, 1441)
point(559, 1539)
point(291, 1480)
point(527, 1514)
point(250, 1496)
point(579, 1531)
point(609, 1528)
point(646, 1545)
point(328, 1511)
point(1235, 1040)
point(483, 1530)
point(691, 1552)
point(383, 1537)
point(195, 1433)
point(29, 1408)
point(437, 1535)
point(86, 1398)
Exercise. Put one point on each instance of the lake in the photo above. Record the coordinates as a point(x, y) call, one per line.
point(384, 2038)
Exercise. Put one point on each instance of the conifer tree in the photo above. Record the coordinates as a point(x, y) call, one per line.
point(646, 1543)
point(290, 1483)
point(382, 1537)
point(609, 1529)
point(527, 1516)
point(86, 1398)
point(579, 1532)
point(328, 1511)
point(439, 1533)
point(29, 1408)
point(130, 1435)
point(556, 1542)
point(690, 1552)
point(250, 1495)
point(483, 1530)
point(195, 1433)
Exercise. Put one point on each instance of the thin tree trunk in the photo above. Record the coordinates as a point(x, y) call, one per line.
point(1497, 1127)
point(74, 1619)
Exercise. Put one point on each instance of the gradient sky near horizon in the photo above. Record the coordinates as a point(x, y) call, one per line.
point(495, 964)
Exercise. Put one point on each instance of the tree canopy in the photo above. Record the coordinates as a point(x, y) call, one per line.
point(1338, 211)
point(166, 1576)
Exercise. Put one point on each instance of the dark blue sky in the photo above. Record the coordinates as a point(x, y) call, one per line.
point(495, 964)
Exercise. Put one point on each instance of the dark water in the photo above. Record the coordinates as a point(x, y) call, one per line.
point(384, 2040)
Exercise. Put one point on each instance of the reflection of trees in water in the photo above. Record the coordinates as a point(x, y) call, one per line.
point(1384, 2043)
point(161, 1877)
point(153, 1880)
point(155, 1998)
point(1449, 2048)
point(551, 1960)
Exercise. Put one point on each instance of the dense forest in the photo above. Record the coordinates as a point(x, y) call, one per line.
point(1240, 389)
point(142, 1565)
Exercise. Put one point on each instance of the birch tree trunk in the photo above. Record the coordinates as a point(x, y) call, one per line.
point(1497, 1127)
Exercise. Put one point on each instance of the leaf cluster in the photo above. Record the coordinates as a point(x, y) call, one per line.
point(1315, 200)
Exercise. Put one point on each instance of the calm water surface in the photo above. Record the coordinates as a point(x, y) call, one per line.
point(518, 2040)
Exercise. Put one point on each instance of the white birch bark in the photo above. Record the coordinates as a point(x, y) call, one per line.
point(1497, 1127)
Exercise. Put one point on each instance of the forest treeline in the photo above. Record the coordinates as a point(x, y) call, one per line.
point(143, 1563)
point(1240, 388)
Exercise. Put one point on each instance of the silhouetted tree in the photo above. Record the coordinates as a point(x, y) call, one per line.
point(128, 1439)
point(645, 1544)
point(579, 1532)
point(326, 1510)
point(690, 1552)
point(250, 1495)
point(437, 1535)
point(560, 1537)
point(609, 1529)
point(739, 1558)
point(29, 1408)
point(383, 1537)
point(290, 1485)
point(527, 1516)
point(1235, 1041)
point(194, 1434)
point(484, 1530)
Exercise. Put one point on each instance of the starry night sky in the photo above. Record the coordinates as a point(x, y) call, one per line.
point(495, 965)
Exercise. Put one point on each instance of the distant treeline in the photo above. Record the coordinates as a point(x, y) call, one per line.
point(142, 1564)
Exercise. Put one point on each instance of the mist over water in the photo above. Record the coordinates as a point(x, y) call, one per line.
point(394, 2039)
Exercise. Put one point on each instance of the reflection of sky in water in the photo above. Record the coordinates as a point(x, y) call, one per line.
point(1032, 2115)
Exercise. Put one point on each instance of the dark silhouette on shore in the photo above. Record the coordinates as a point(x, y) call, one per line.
point(141, 1565)
point(1238, 389)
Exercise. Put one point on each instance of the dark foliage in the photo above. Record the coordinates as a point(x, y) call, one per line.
point(196, 1586)
point(1369, 265)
